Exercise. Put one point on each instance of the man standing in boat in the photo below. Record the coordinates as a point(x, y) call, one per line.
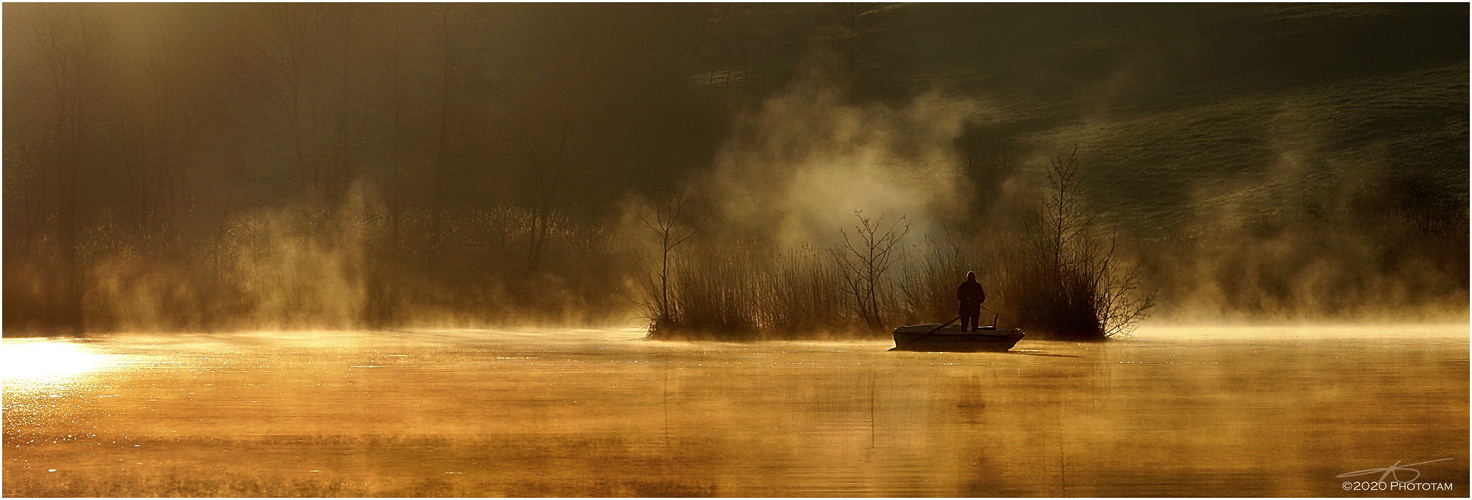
point(971, 296)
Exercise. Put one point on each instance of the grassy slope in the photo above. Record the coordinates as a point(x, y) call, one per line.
point(1295, 128)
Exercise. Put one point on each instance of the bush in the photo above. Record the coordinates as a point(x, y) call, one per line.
point(1067, 281)
point(1060, 278)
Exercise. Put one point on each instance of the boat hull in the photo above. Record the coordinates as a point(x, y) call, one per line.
point(925, 338)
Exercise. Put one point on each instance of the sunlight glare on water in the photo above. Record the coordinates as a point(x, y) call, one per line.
point(45, 360)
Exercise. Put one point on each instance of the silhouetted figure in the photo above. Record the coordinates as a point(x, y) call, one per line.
point(971, 296)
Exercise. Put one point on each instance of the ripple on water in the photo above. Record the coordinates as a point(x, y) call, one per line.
point(583, 413)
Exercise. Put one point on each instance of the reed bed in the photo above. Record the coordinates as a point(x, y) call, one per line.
point(299, 267)
point(744, 291)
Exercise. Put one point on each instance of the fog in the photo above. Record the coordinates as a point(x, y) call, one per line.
point(800, 166)
point(564, 412)
point(191, 167)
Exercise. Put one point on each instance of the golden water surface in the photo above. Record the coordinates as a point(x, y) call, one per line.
point(1170, 411)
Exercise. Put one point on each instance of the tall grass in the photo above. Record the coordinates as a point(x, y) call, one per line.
point(353, 267)
point(1059, 276)
point(928, 285)
point(747, 291)
point(360, 265)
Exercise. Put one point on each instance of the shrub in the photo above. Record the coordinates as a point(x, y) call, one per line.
point(1066, 280)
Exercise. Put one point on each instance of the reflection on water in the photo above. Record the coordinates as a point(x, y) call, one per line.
point(602, 412)
point(29, 362)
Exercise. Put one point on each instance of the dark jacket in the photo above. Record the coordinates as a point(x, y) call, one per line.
point(971, 295)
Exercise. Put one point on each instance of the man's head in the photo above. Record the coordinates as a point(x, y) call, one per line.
point(970, 276)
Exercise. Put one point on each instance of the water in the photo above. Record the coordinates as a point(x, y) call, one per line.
point(1171, 411)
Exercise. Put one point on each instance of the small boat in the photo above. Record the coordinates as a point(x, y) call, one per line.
point(950, 338)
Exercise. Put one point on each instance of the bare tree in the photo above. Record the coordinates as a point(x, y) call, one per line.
point(301, 59)
point(68, 40)
point(382, 295)
point(450, 30)
point(865, 257)
point(1075, 284)
point(1066, 220)
point(663, 218)
point(546, 162)
point(345, 27)
point(277, 65)
point(166, 110)
point(396, 201)
point(1117, 304)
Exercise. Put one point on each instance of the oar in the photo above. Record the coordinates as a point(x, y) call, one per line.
point(943, 325)
point(936, 329)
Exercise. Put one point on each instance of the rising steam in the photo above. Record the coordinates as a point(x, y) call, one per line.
point(795, 170)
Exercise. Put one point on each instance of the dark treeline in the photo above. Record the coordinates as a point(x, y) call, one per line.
point(292, 165)
point(235, 166)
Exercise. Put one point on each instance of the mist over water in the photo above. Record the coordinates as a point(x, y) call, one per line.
point(1170, 411)
point(424, 250)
